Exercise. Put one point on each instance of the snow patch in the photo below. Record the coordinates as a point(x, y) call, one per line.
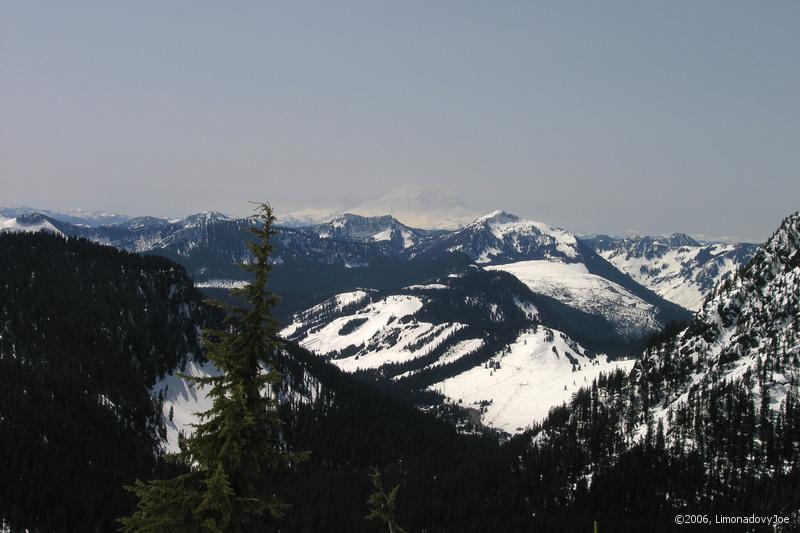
point(531, 379)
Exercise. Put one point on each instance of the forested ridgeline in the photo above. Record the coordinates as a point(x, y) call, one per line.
point(599, 458)
point(707, 423)
point(85, 331)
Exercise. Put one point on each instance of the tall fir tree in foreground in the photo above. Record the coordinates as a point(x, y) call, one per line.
point(237, 444)
point(382, 505)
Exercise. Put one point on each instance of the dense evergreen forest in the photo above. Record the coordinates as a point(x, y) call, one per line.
point(86, 330)
point(539, 481)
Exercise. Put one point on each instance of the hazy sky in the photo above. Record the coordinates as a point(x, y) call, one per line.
point(606, 116)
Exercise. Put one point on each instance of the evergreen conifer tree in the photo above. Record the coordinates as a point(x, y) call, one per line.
point(237, 443)
point(382, 505)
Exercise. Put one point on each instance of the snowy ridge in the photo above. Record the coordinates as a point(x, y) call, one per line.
point(419, 207)
point(427, 287)
point(377, 334)
point(368, 229)
point(677, 267)
point(427, 208)
point(182, 401)
point(379, 250)
point(502, 237)
point(75, 216)
point(27, 223)
point(748, 323)
point(542, 368)
point(573, 284)
point(509, 385)
point(221, 284)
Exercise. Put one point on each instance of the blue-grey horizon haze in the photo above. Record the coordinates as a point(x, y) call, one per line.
point(594, 116)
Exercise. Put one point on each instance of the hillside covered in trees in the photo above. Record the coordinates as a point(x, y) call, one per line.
point(708, 421)
point(85, 331)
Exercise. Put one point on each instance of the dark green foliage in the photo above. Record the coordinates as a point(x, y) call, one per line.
point(237, 446)
point(85, 332)
point(669, 333)
point(382, 505)
point(353, 426)
point(351, 325)
point(602, 457)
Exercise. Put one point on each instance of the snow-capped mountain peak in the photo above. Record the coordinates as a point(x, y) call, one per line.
point(368, 229)
point(504, 222)
point(502, 237)
point(677, 267)
point(747, 326)
point(204, 217)
point(143, 222)
point(30, 223)
point(497, 216)
point(681, 239)
point(784, 246)
point(427, 208)
point(75, 216)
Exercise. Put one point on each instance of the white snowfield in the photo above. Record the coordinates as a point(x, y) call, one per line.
point(675, 275)
point(761, 313)
point(348, 298)
point(356, 227)
point(530, 380)
point(384, 235)
point(454, 353)
point(11, 225)
point(378, 329)
point(573, 284)
point(500, 233)
point(503, 225)
point(334, 304)
point(221, 284)
point(184, 400)
point(428, 287)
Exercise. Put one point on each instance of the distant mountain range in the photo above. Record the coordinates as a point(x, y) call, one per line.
point(506, 329)
point(500, 333)
point(677, 267)
point(74, 216)
point(432, 309)
point(747, 329)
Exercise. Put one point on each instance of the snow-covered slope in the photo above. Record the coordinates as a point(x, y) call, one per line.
point(748, 325)
point(479, 340)
point(542, 368)
point(419, 207)
point(182, 400)
point(574, 285)
point(428, 208)
point(553, 262)
point(501, 237)
point(382, 332)
point(677, 267)
point(74, 216)
point(304, 218)
point(380, 252)
point(358, 228)
point(28, 223)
